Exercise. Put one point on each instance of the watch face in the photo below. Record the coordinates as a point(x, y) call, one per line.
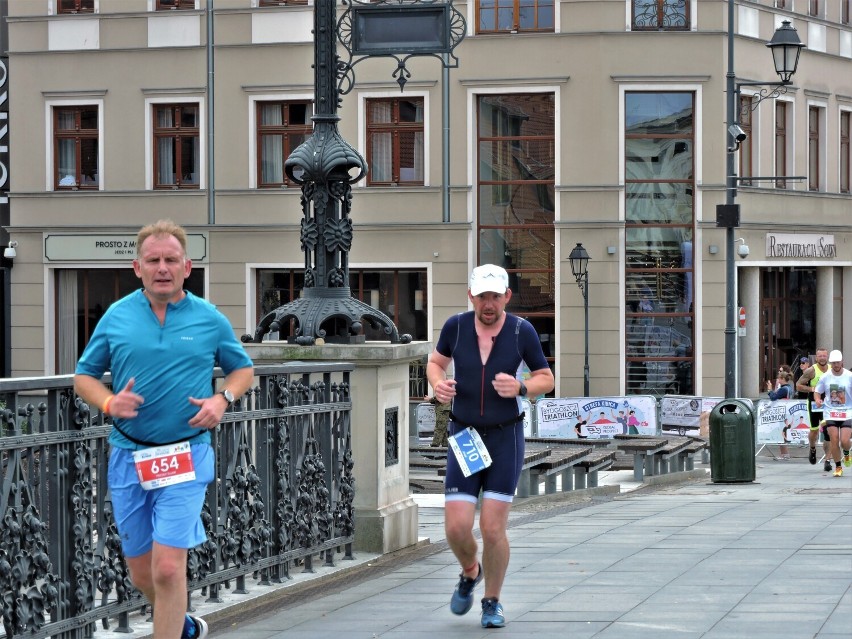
point(228, 395)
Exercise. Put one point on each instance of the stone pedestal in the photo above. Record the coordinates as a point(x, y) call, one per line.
point(385, 514)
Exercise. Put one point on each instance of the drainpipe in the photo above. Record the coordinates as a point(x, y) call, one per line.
point(211, 190)
point(445, 146)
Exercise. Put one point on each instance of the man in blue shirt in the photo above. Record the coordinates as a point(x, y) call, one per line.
point(161, 344)
point(486, 347)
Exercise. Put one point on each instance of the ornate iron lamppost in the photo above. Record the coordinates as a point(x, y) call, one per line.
point(326, 166)
point(579, 258)
point(786, 47)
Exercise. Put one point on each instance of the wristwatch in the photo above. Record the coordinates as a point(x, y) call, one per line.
point(522, 391)
point(228, 395)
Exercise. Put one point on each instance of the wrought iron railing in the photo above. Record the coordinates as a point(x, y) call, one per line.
point(283, 495)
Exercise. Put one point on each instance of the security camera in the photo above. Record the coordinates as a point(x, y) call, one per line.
point(743, 250)
point(737, 132)
point(9, 252)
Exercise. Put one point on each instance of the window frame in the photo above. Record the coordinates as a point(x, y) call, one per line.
point(50, 142)
point(845, 143)
point(394, 127)
point(815, 146)
point(77, 9)
point(175, 5)
point(844, 11)
point(282, 3)
point(781, 140)
point(285, 130)
point(516, 9)
point(747, 146)
point(813, 8)
point(660, 16)
point(151, 150)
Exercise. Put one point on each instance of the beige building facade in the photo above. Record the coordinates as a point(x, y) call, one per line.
point(601, 123)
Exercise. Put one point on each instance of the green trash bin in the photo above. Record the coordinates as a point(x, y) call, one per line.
point(732, 438)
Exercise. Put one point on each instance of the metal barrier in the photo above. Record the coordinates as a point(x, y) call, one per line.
point(283, 494)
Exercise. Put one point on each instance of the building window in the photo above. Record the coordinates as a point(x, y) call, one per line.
point(813, 8)
point(175, 5)
point(814, 148)
point(401, 294)
point(516, 181)
point(176, 146)
point(780, 4)
point(844, 11)
point(660, 15)
point(514, 16)
point(82, 296)
point(659, 225)
point(747, 145)
point(845, 150)
point(780, 143)
point(76, 6)
point(281, 127)
point(395, 141)
point(75, 147)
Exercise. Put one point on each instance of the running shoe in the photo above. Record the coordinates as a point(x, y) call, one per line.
point(201, 629)
point(838, 472)
point(827, 466)
point(847, 461)
point(492, 614)
point(462, 599)
point(812, 456)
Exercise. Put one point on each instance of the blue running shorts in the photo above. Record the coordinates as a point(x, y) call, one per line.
point(500, 479)
point(171, 515)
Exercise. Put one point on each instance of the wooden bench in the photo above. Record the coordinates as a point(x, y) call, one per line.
point(686, 457)
point(643, 448)
point(666, 460)
point(564, 441)
point(560, 461)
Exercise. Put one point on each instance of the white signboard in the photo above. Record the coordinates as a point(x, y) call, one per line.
point(801, 245)
point(681, 414)
point(111, 247)
point(784, 421)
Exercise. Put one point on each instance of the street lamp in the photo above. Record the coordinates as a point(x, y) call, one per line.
point(579, 258)
point(786, 47)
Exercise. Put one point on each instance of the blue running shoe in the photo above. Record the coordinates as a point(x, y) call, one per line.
point(194, 628)
point(462, 599)
point(492, 614)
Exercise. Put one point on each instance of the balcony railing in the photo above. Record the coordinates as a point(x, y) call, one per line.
point(283, 495)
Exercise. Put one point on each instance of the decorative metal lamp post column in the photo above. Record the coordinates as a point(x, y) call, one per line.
point(326, 166)
point(579, 258)
point(786, 47)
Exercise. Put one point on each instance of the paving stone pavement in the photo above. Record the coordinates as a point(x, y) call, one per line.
point(770, 558)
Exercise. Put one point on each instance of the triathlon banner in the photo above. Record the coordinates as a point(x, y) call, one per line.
point(596, 417)
point(784, 421)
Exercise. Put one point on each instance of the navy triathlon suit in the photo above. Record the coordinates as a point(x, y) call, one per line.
point(497, 419)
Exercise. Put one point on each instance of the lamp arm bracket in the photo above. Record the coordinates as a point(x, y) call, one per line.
point(764, 93)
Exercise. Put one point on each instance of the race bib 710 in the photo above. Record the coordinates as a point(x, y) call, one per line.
point(470, 451)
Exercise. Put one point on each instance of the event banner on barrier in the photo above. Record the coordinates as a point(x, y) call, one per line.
point(682, 414)
point(596, 418)
point(784, 421)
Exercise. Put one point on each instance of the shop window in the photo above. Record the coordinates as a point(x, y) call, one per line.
point(659, 225)
point(281, 127)
point(177, 155)
point(660, 15)
point(514, 16)
point(75, 147)
point(82, 296)
point(401, 294)
point(395, 138)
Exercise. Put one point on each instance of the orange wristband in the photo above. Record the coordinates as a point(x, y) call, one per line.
point(107, 402)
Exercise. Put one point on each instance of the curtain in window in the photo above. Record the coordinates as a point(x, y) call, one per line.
point(418, 145)
point(271, 146)
point(165, 148)
point(67, 312)
point(381, 157)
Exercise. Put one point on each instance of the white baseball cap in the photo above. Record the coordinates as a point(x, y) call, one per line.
point(835, 356)
point(488, 278)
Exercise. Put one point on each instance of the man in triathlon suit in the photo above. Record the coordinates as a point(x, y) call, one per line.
point(486, 347)
point(833, 391)
point(806, 384)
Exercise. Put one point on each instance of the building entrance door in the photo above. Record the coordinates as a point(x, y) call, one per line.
point(788, 319)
